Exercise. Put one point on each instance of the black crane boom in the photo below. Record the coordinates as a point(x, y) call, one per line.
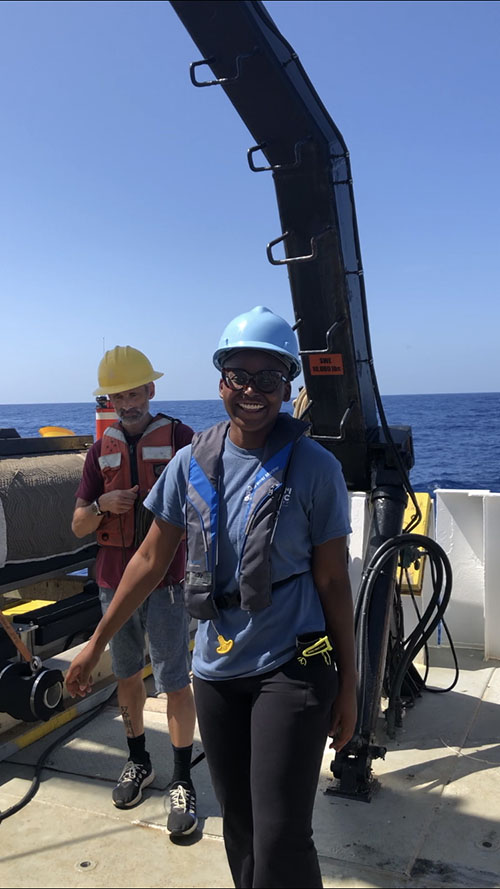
point(296, 140)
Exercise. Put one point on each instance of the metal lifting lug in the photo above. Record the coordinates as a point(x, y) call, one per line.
point(295, 259)
point(277, 167)
point(329, 340)
point(221, 80)
point(342, 431)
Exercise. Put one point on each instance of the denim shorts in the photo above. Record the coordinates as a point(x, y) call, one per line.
point(163, 617)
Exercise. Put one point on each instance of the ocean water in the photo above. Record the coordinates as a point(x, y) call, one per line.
point(456, 438)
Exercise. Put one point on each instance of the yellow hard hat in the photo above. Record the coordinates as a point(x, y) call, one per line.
point(124, 368)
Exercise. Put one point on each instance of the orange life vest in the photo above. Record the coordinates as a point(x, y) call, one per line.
point(154, 450)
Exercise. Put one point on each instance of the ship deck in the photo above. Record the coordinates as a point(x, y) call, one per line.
point(433, 820)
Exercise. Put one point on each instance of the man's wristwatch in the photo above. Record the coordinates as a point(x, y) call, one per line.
point(96, 508)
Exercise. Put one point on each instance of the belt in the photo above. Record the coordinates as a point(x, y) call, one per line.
point(233, 600)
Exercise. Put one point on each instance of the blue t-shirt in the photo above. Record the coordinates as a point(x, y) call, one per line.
point(314, 509)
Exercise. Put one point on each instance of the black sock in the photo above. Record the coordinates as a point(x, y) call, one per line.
point(182, 763)
point(137, 748)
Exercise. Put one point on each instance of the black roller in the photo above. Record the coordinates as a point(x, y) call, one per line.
point(30, 696)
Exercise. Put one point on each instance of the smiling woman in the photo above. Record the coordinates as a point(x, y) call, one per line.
point(252, 410)
point(254, 351)
point(265, 512)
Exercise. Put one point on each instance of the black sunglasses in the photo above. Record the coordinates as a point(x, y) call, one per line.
point(266, 381)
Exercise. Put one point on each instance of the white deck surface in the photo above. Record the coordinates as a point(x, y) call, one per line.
point(433, 821)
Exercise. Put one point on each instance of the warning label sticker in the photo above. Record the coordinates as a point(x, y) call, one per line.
point(326, 364)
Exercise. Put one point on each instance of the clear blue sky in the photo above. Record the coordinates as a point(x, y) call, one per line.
point(129, 214)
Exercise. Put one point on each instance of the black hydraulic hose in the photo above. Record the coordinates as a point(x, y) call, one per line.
point(426, 647)
point(438, 691)
point(442, 581)
point(35, 783)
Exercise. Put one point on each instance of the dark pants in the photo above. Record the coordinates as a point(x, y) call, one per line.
point(264, 739)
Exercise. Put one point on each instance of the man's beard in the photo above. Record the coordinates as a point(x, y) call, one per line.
point(131, 418)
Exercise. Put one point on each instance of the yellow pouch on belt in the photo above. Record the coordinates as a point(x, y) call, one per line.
point(310, 644)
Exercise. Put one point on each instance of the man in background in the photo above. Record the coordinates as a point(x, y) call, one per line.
point(119, 471)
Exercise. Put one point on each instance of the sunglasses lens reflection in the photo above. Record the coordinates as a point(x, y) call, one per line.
point(266, 381)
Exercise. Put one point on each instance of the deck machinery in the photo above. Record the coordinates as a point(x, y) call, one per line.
point(298, 144)
point(38, 553)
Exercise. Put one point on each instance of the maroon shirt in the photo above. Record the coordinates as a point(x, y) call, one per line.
point(111, 561)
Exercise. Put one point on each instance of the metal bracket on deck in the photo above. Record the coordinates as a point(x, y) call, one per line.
point(352, 769)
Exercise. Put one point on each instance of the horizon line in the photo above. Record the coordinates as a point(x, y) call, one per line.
point(183, 400)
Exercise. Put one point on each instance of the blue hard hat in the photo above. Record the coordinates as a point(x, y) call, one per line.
point(260, 329)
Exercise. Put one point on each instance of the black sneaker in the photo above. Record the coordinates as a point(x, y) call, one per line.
point(182, 818)
point(134, 777)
